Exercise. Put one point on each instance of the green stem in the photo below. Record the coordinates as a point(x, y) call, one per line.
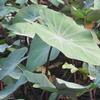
point(48, 60)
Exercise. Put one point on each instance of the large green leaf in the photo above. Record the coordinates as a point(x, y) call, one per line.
point(11, 88)
point(38, 53)
point(73, 40)
point(64, 34)
point(10, 63)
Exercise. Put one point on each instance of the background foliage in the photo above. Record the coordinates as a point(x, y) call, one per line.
point(37, 36)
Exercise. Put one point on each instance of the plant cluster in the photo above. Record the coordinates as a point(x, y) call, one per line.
point(34, 33)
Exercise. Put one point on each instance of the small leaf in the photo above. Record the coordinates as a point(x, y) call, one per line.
point(71, 67)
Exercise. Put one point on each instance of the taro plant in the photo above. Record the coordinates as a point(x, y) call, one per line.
point(34, 33)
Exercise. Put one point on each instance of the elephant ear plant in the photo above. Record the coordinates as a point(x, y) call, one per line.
point(34, 33)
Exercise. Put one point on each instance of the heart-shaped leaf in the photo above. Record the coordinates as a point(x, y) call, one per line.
point(73, 40)
point(38, 53)
point(64, 34)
